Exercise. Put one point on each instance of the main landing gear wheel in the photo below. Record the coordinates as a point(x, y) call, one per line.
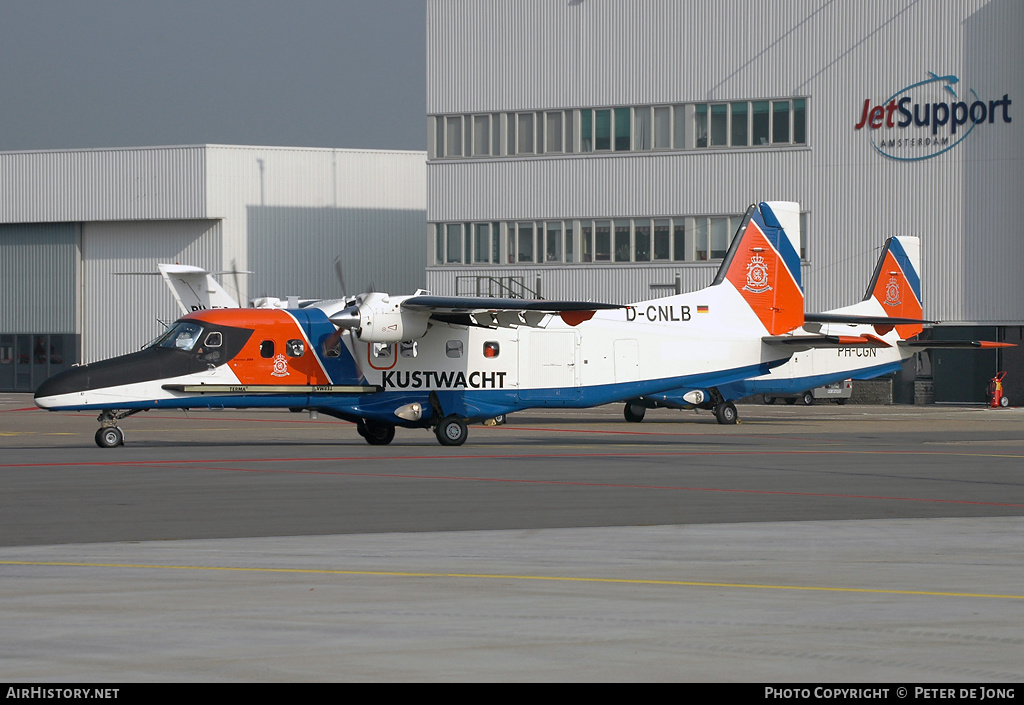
point(376, 434)
point(451, 431)
point(109, 437)
point(726, 413)
point(768, 399)
point(807, 399)
point(634, 413)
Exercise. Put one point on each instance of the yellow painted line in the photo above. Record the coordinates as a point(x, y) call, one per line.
point(485, 576)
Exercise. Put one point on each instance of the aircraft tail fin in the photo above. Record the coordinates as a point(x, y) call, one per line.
point(194, 288)
point(763, 265)
point(896, 283)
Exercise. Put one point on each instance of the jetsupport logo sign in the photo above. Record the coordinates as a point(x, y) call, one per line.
point(928, 118)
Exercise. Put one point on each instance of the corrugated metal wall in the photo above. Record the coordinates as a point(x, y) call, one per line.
point(122, 312)
point(102, 184)
point(289, 212)
point(550, 54)
point(39, 278)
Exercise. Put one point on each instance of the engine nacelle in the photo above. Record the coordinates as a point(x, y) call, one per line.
point(382, 320)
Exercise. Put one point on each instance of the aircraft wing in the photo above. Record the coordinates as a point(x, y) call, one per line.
point(486, 304)
point(953, 344)
point(861, 320)
point(483, 310)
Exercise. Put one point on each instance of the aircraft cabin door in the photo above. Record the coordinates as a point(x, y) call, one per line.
point(548, 367)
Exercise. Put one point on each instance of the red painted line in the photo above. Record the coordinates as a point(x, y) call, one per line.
point(476, 456)
point(619, 486)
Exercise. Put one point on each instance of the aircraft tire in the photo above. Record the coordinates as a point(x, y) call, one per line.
point(634, 413)
point(726, 414)
point(768, 399)
point(807, 399)
point(451, 431)
point(378, 434)
point(500, 420)
point(109, 437)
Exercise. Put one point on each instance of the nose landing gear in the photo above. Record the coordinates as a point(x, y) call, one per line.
point(109, 435)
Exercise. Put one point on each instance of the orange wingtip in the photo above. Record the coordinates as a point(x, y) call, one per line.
point(993, 344)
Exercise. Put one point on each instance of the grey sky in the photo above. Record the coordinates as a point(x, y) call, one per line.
point(306, 73)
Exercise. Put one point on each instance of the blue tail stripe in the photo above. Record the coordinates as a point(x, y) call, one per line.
point(907, 266)
point(772, 228)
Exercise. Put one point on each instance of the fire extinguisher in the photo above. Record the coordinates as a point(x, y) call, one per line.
point(995, 392)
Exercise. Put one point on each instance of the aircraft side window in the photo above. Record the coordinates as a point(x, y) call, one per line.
point(453, 348)
point(295, 348)
point(267, 349)
point(214, 340)
point(408, 348)
point(491, 349)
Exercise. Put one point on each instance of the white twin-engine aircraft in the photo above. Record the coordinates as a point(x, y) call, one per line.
point(442, 362)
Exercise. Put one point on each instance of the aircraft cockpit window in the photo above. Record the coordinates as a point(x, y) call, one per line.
point(181, 336)
point(214, 340)
point(267, 349)
point(296, 348)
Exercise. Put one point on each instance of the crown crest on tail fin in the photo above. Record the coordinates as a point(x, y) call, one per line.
point(896, 283)
point(763, 265)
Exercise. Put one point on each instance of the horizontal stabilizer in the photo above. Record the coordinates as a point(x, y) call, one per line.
point(953, 344)
point(807, 342)
point(861, 320)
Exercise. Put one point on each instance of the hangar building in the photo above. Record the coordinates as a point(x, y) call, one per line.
point(606, 149)
point(75, 223)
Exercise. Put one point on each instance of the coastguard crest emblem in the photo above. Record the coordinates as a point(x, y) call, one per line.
point(757, 275)
point(892, 291)
point(280, 366)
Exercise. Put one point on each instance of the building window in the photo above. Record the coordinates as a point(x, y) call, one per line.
point(738, 125)
point(553, 132)
point(719, 125)
point(453, 142)
point(622, 240)
point(800, 121)
point(525, 130)
point(602, 241)
point(622, 131)
point(641, 241)
point(602, 130)
point(760, 122)
point(700, 124)
point(757, 123)
point(481, 135)
point(453, 250)
point(662, 127)
point(780, 121)
point(642, 124)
